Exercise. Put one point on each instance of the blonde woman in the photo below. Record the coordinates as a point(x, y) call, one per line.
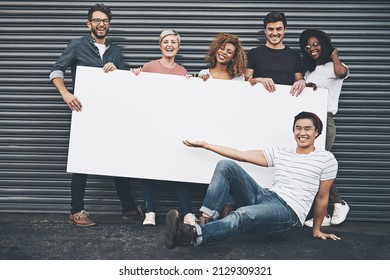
point(169, 46)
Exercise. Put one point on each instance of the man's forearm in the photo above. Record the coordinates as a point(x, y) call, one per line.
point(320, 211)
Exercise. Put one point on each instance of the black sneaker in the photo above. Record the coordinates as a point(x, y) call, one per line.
point(136, 214)
point(178, 233)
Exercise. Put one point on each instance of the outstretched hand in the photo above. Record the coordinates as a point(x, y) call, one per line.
point(194, 144)
point(323, 235)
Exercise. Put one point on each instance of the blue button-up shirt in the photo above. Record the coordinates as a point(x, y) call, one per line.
point(82, 51)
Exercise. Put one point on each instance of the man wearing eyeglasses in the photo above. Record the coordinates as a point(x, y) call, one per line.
point(274, 62)
point(94, 50)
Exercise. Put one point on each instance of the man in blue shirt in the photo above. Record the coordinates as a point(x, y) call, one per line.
point(94, 50)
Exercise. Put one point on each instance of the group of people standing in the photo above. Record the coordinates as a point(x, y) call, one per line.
point(269, 64)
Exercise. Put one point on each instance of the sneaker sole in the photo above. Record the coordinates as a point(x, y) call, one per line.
point(82, 225)
point(127, 218)
point(171, 224)
point(338, 222)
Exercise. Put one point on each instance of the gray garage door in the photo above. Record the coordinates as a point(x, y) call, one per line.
point(34, 122)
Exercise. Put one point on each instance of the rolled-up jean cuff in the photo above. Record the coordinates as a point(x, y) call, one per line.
point(213, 214)
point(199, 239)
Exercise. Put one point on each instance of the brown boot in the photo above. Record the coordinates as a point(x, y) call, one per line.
point(204, 220)
point(178, 233)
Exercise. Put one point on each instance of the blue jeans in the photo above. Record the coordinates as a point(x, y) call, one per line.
point(182, 191)
point(259, 210)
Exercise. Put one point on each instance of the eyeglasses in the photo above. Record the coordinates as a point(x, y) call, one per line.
point(315, 44)
point(99, 20)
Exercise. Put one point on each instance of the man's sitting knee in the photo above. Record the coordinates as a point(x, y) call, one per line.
point(226, 164)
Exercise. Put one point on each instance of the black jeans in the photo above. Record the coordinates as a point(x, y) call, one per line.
point(122, 185)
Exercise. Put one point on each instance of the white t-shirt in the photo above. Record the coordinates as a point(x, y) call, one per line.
point(323, 76)
point(297, 176)
point(102, 49)
point(207, 71)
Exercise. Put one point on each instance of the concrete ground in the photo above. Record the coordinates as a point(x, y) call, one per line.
point(51, 237)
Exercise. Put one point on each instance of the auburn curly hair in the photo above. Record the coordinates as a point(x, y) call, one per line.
point(238, 64)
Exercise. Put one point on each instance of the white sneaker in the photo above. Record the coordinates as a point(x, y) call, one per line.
point(340, 212)
point(190, 219)
point(150, 219)
point(325, 223)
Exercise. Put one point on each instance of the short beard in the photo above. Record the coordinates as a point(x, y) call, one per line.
point(94, 32)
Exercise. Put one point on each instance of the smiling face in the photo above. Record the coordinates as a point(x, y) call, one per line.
point(313, 48)
point(305, 134)
point(169, 46)
point(99, 29)
point(225, 53)
point(274, 33)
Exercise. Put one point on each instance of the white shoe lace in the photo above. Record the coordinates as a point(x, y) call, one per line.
point(190, 219)
point(81, 215)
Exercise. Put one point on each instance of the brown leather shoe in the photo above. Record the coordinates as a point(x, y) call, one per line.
point(81, 219)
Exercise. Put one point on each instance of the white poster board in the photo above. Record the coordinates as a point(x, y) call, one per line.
point(133, 126)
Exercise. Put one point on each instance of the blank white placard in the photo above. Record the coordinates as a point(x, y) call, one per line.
point(133, 126)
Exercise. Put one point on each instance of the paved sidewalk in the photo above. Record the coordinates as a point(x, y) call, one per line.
point(48, 237)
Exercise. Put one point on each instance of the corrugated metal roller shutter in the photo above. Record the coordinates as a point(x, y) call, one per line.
point(34, 123)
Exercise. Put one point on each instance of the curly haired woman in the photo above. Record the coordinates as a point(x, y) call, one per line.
point(227, 61)
point(226, 58)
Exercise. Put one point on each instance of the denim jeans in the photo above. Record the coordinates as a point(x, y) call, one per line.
point(182, 191)
point(122, 185)
point(259, 210)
